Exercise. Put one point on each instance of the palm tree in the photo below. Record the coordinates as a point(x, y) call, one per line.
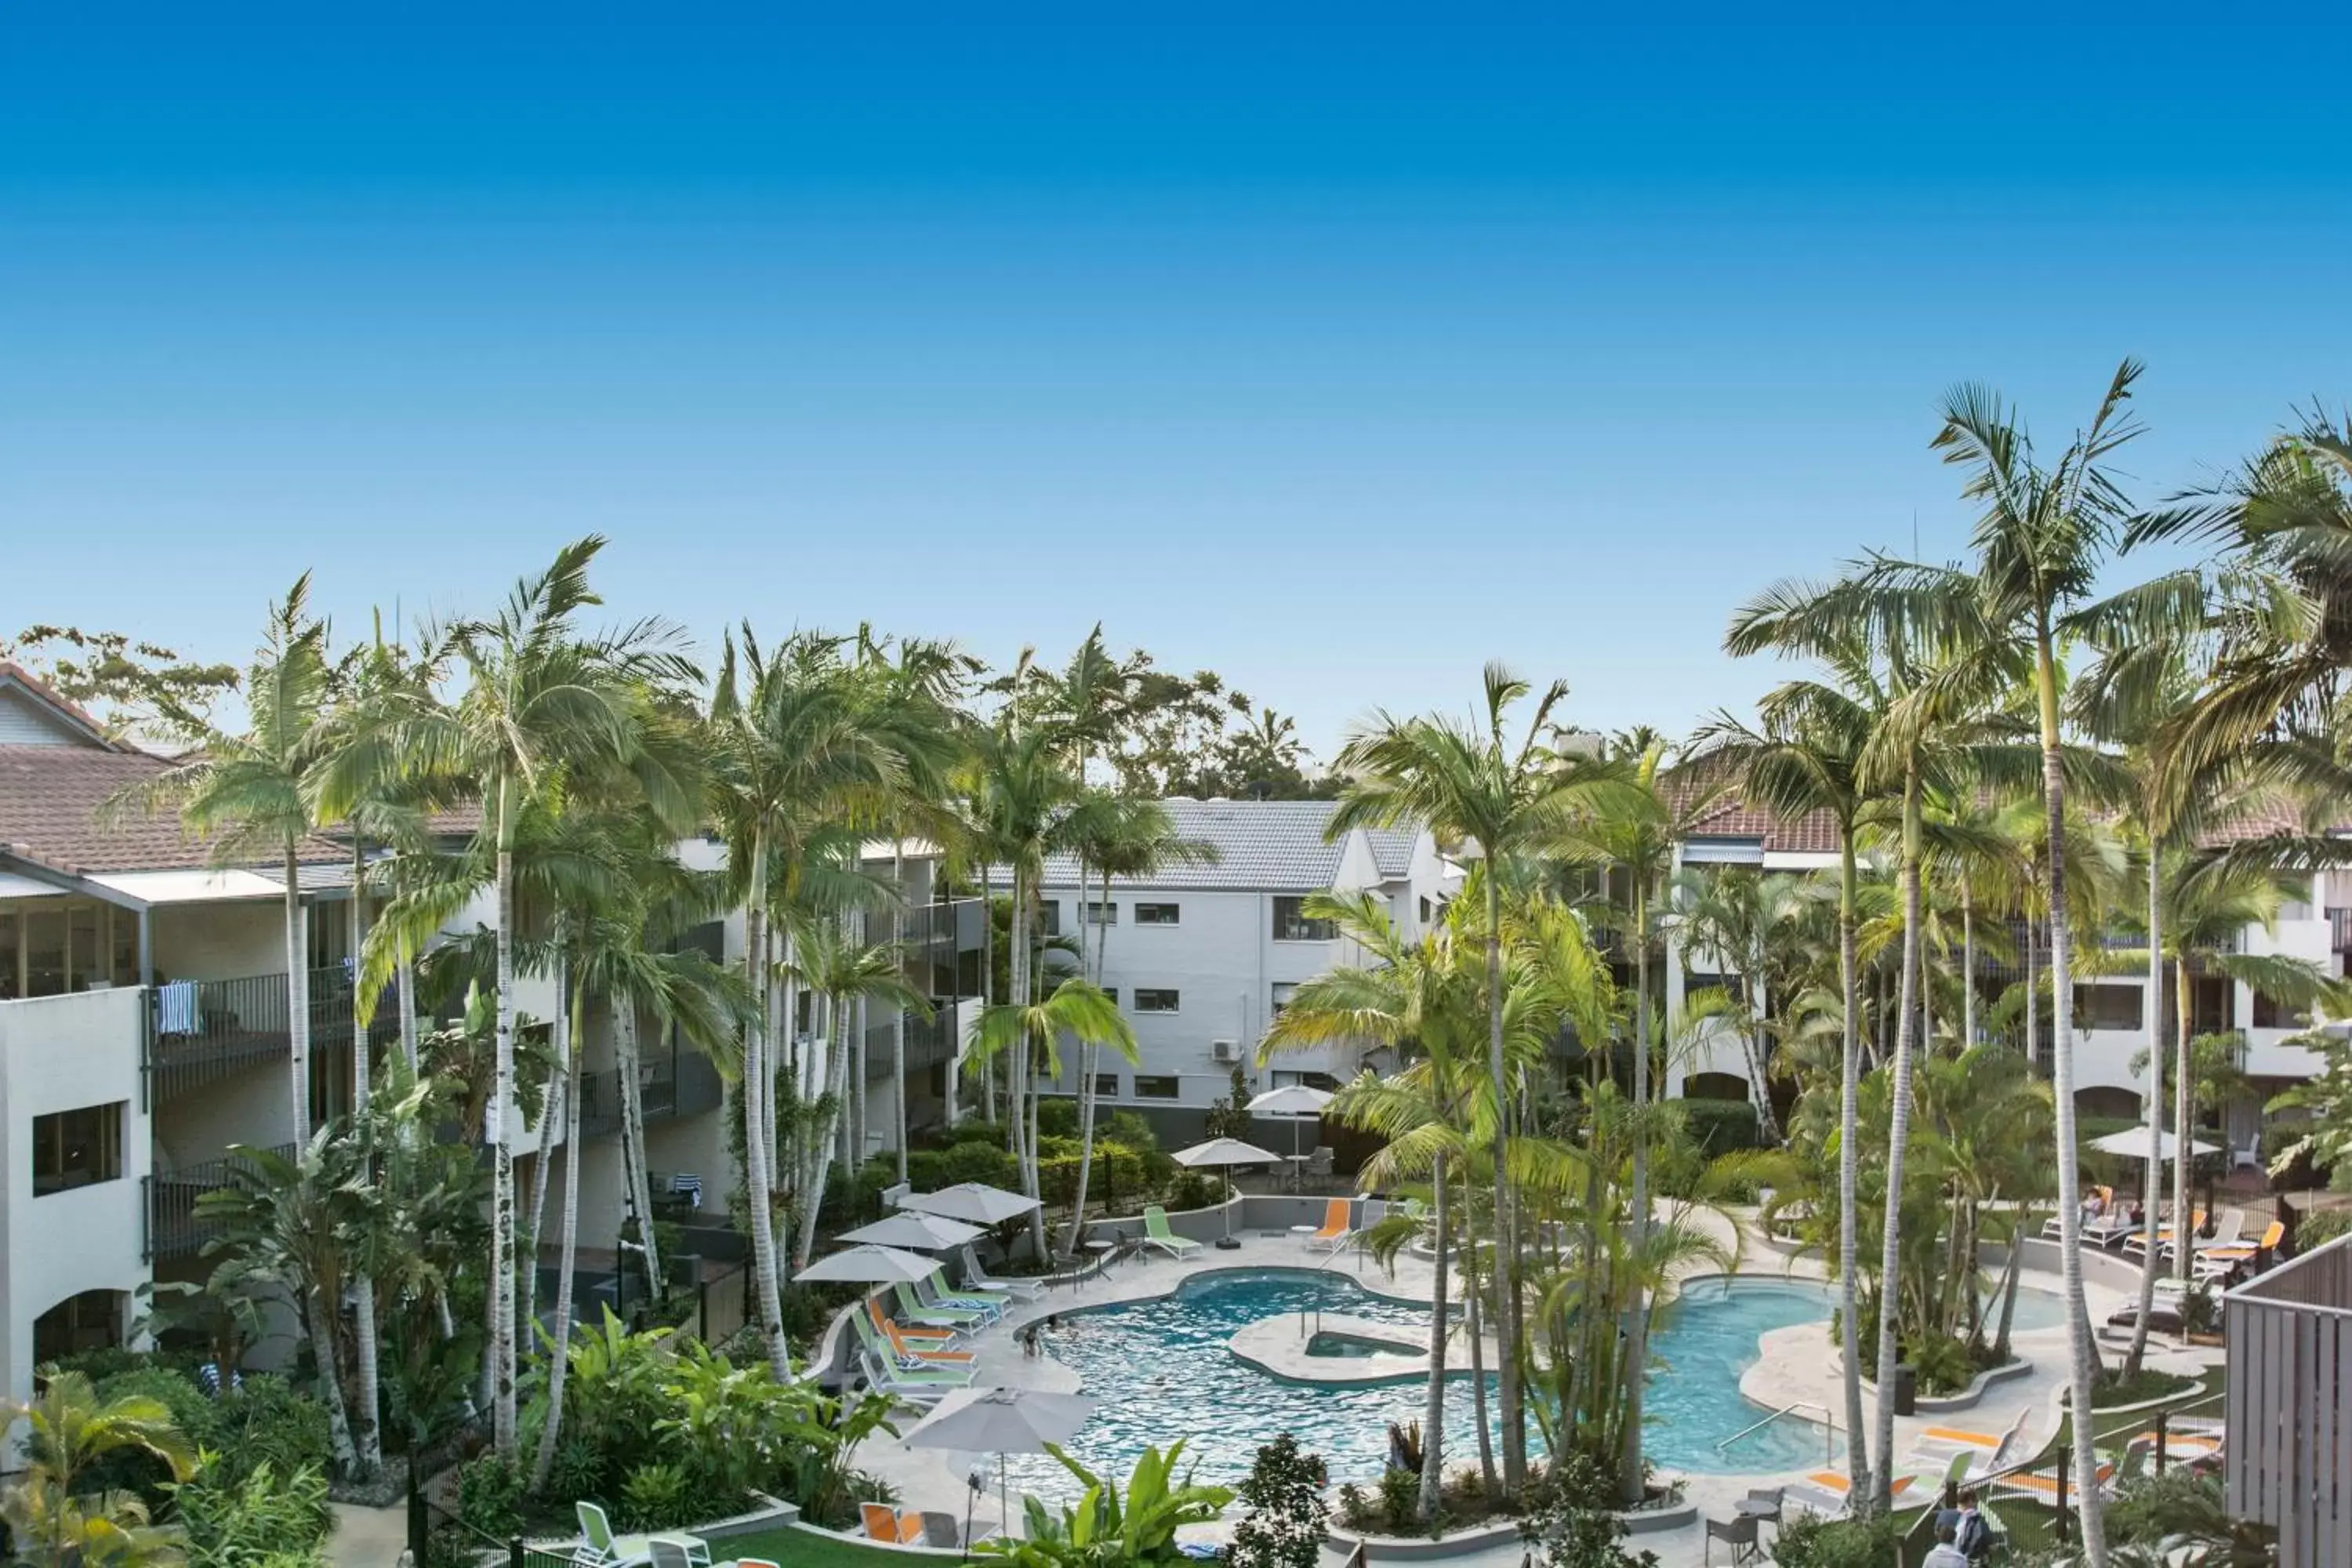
point(1119, 838)
point(1469, 782)
point(1026, 1031)
point(1808, 756)
point(56, 1521)
point(250, 794)
point(541, 698)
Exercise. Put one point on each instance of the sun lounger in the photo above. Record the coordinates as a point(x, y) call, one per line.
point(936, 1290)
point(1826, 1492)
point(1980, 1453)
point(1336, 1230)
point(2042, 1486)
point(924, 1387)
point(600, 1548)
point(975, 1278)
point(2137, 1240)
point(886, 1341)
point(1156, 1233)
point(881, 1522)
point(913, 1308)
point(930, 1338)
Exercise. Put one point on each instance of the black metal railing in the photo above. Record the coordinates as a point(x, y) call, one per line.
point(943, 945)
point(174, 1229)
point(680, 1082)
point(929, 1042)
point(203, 1031)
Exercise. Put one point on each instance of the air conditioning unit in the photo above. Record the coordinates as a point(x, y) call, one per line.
point(1224, 1052)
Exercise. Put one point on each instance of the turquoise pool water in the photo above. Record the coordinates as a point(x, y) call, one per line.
point(1161, 1369)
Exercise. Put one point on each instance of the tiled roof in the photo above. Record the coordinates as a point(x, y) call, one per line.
point(1814, 833)
point(51, 799)
point(1262, 845)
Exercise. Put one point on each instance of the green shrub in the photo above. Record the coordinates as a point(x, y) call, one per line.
point(192, 1412)
point(269, 1421)
point(657, 1497)
point(1722, 1126)
point(1284, 1493)
point(1572, 1518)
point(1129, 1128)
point(1808, 1541)
point(578, 1471)
point(1057, 1117)
point(1115, 1169)
point(1195, 1190)
point(489, 1498)
point(2320, 1227)
point(975, 1162)
point(973, 1132)
point(1943, 1363)
point(1399, 1499)
point(260, 1520)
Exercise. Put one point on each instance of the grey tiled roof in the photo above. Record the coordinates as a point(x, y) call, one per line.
point(1269, 845)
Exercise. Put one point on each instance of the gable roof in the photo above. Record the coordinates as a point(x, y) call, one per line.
point(1262, 846)
point(43, 707)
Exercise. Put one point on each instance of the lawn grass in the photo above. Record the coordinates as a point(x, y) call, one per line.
point(807, 1549)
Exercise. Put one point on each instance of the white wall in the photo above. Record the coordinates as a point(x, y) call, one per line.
point(63, 1053)
point(227, 940)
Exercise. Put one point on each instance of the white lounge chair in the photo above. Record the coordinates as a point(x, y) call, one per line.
point(977, 1279)
point(600, 1548)
point(1939, 1447)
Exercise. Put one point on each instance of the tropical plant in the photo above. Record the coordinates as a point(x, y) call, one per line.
point(52, 1521)
point(1110, 1525)
point(1285, 1522)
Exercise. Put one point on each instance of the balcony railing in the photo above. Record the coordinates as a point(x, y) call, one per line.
point(673, 1084)
point(207, 1030)
point(929, 1042)
point(173, 1228)
point(2289, 1449)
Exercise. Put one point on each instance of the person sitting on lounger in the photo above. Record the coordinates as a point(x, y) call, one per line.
point(2094, 1205)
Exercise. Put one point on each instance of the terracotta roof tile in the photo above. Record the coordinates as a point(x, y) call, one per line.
point(50, 802)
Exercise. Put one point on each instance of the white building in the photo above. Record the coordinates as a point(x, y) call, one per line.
point(143, 1032)
point(2108, 1006)
point(1200, 957)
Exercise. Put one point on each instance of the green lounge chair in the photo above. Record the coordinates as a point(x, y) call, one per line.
point(600, 1548)
point(934, 1293)
point(913, 1310)
point(1156, 1234)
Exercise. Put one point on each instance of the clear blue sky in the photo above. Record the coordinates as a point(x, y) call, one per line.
point(1338, 348)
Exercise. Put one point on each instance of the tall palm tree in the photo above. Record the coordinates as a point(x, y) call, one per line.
point(1806, 757)
point(1117, 837)
point(251, 793)
point(1026, 1032)
point(1471, 783)
point(542, 697)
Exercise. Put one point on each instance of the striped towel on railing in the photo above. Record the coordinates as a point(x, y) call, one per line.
point(687, 1186)
point(208, 1375)
point(176, 1008)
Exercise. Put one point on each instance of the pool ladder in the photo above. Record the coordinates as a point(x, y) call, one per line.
point(1828, 1428)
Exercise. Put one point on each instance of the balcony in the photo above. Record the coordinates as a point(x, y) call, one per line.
point(173, 1228)
point(207, 1030)
point(929, 1042)
point(673, 1083)
point(2340, 931)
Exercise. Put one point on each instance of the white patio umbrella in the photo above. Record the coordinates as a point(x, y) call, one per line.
point(2132, 1143)
point(1294, 1101)
point(975, 1202)
point(1219, 1153)
point(915, 1230)
point(1001, 1421)
point(870, 1266)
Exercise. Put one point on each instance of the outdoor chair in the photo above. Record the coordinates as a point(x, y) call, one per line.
point(881, 1524)
point(1336, 1230)
point(2042, 1486)
point(753, 1562)
point(1764, 1503)
point(1156, 1233)
point(2136, 1240)
point(930, 1338)
point(600, 1548)
point(1966, 1457)
point(912, 1309)
point(1829, 1495)
point(668, 1552)
point(2249, 1153)
point(1318, 1165)
point(975, 1278)
point(936, 1290)
point(1739, 1533)
point(921, 1388)
point(2226, 1233)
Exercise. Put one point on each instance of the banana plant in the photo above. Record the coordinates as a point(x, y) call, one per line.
point(1105, 1529)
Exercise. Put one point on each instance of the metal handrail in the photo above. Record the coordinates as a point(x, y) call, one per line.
point(1829, 1427)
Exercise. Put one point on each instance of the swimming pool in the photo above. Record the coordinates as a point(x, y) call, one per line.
point(1160, 1370)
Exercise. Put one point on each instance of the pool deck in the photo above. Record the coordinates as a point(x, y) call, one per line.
point(1802, 1367)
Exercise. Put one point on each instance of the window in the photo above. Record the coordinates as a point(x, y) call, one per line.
point(1106, 1085)
point(1425, 912)
point(1049, 918)
point(2107, 1007)
point(45, 953)
point(1291, 924)
point(1732, 985)
point(1148, 1000)
point(1101, 914)
point(90, 1322)
point(1283, 991)
point(1157, 914)
point(1111, 991)
point(77, 1148)
point(2270, 1015)
point(1155, 1086)
point(11, 945)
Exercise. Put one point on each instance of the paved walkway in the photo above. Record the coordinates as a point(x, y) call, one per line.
point(367, 1537)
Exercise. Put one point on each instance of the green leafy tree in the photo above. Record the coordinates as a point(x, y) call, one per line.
point(53, 1521)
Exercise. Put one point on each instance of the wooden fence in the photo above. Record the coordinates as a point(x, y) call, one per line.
point(2288, 1459)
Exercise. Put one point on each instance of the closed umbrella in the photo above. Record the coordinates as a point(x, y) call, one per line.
point(1001, 1421)
point(916, 1230)
point(975, 1202)
point(1218, 1154)
point(2132, 1144)
point(870, 1266)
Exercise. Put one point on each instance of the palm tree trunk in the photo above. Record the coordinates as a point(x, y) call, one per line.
point(837, 1065)
point(898, 1025)
point(2032, 994)
point(1637, 1329)
point(405, 979)
point(634, 1173)
point(369, 1435)
point(1025, 1130)
point(331, 1381)
point(1968, 968)
point(987, 979)
point(2085, 1355)
point(1506, 1332)
point(1471, 1320)
point(2183, 1097)
point(560, 1357)
point(298, 999)
point(503, 1193)
point(1849, 1168)
point(1432, 1416)
point(1089, 1058)
point(1890, 1260)
point(756, 1145)
point(551, 1108)
point(2151, 1101)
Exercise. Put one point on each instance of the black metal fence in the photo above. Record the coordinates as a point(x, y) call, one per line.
point(173, 1228)
point(929, 1042)
point(207, 1030)
point(677, 1082)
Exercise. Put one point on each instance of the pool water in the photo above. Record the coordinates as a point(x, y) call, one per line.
point(1161, 1369)
point(1355, 1346)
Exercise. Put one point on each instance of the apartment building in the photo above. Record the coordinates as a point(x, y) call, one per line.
point(1200, 957)
point(144, 1031)
point(2110, 998)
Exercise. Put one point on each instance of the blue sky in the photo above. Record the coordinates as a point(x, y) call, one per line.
point(1338, 348)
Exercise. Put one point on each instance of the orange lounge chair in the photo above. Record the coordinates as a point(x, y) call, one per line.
point(894, 1329)
point(881, 1524)
point(907, 1344)
point(911, 1529)
point(1336, 1227)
